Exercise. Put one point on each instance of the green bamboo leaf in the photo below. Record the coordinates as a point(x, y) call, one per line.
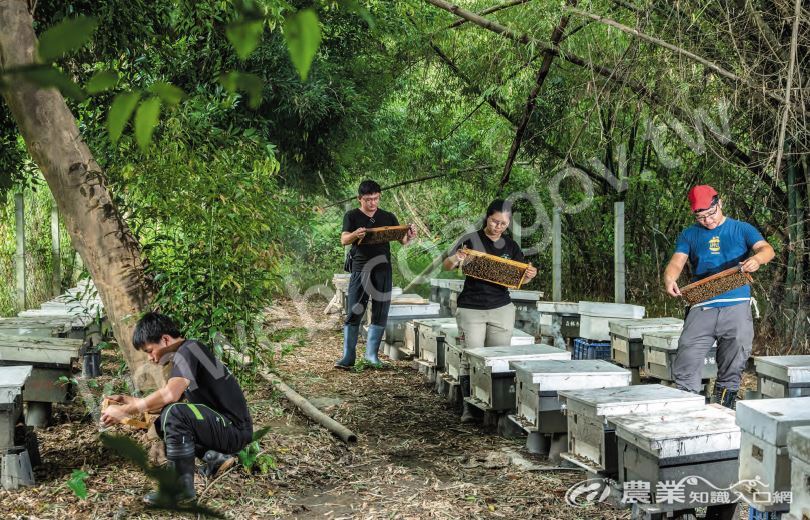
point(101, 81)
point(245, 36)
point(49, 76)
point(303, 35)
point(167, 92)
point(120, 112)
point(353, 6)
point(66, 36)
point(146, 119)
point(252, 84)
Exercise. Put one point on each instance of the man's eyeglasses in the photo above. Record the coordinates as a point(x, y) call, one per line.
point(705, 215)
point(370, 199)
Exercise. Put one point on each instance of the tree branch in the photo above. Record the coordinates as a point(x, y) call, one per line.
point(661, 43)
point(791, 62)
point(490, 10)
point(545, 67)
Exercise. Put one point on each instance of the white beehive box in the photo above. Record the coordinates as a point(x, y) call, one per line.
point(492, 382)
point(12, 381)
point(660, 349)
point(626, 345)
point(798, 444)
point(428, 349)
point(765, 424)
point(783, 376)
point(682, 433)
point(538, 383)
point(591, 435)
point(595, 316)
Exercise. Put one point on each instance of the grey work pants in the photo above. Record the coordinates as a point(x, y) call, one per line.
point(732, 328)
point(486, 328)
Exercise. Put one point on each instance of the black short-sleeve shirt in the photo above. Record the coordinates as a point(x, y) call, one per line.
point(211, 383)
point(481, 294)
point(354, 219)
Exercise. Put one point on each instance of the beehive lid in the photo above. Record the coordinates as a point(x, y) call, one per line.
point(455, 285)
point(434, 282)
point(790, 369)
point(635, 328)
point(521, 338)
point(553, 376)
point(522, 295)
point(638, 399)
point(661, 340)
point(435, 322)
point(443, 283)
point(39, 351)
point(12, 379)
point(710, 429)
point(410, 309)
point(610, 310)
point(772, 419)
point(558, 307)
point(798, 443)
point(499, 357)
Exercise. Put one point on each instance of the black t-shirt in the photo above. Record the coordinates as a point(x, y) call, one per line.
point(211, 383)
point(354, 219)
point(480, 294)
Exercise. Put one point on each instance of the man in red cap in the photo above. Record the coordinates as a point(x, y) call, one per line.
point(715, 243)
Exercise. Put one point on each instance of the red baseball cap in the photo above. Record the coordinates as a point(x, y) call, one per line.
point(700, 197)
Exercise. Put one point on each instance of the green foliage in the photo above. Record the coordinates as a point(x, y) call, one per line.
point(67, 36)
point(76, 483)
point(120, 111)
point(245, 36)
point(244, 81)
point(101, 81)
point(303, 35)
point(146, 118)
point(251, 454)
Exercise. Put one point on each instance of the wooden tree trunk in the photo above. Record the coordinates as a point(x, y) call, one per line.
point(97, 231)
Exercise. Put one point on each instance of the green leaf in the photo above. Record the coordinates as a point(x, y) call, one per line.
point(245, 36)
point(76, 483)
point(120, 112)
point(303, 35)
point(101, 81)
point(250, 83)
point(66, 36)
point(353, 6)
point(49, 76)
point(146, 119)
point(167, 92)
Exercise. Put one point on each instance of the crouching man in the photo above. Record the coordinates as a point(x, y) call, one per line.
point(212, 423)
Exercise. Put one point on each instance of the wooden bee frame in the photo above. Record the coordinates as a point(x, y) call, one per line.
point(381, 235)
point(495, 269)
point(714, 285)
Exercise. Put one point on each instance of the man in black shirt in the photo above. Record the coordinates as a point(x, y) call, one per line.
point(213, 423)
point(370, 273)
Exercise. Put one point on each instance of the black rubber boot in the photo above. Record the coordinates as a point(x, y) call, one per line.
point(216, 463)
point(725, 397)
point(182, 492)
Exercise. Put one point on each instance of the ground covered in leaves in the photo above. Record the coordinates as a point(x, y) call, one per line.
point(413, 458)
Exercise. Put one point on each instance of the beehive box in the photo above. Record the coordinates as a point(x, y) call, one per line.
point(12, 382)
point(443, 290)
point(38, 327)
point(527, 316)
point(764, 455)
point(798, 444)
point(559, 318)
point(429, 337)
point(591, 435)
point(595, 317)
point(783, 376)
point(455, 360)
point(666, 447)
point(456, 286)
point(412, 334)
point(660, 349)
point(538, 382)
point(492, 381)
point(400, 314)
point(51, 359)
point(627, 347)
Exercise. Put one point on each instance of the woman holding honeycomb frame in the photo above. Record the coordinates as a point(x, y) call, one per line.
point(485, 313)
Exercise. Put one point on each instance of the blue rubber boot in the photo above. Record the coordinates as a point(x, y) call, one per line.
point(350, 333)
point(375, 334)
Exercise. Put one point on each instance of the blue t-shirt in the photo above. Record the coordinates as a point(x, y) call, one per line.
point(713, 250)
